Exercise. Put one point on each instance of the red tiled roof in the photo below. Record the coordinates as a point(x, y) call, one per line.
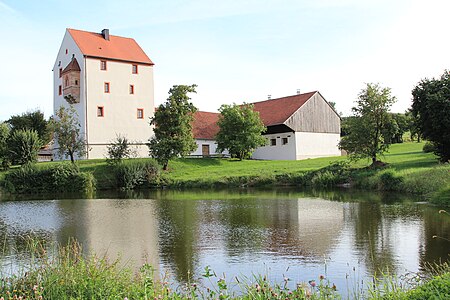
point(277, 111)
point(205, 125)
point(117, 48)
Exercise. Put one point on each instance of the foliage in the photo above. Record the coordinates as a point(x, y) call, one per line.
point(32, 120)
point(23, 146)
point(136, 174)
point(4, 134)
point(370, 125)
point(59, 178)
point(67, 133)
point(240, 129)
point(442, 197)
point(429, 147)
point(431, 109)
point(118, 150)
point(173, 126)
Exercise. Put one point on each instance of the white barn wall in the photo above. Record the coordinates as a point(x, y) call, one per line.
point(212, 147)
point(278, 152)
point(313, 144)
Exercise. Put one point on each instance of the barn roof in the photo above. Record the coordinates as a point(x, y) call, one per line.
point(277, 111)
point(272, 112)
point(205, 125)
point(117, 48)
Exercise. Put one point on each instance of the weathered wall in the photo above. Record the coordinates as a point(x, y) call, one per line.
point(315, 116)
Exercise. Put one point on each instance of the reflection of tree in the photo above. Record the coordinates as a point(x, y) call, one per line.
point(435, 224)
point(178, 221)
point(372, 233)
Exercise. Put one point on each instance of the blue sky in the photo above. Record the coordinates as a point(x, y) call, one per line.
point(236, 51)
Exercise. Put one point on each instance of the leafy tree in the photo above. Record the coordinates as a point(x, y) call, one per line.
point(32, 120)
point(23, 146)
point(431, 110)
point(67, 133)
point(240, 129)
point(412, 126)
point(4, 134)
point(369, 125)
point(173, 126)
point(118, 150)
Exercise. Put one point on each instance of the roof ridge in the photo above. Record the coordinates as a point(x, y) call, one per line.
point(99, 33)
point(313, 92)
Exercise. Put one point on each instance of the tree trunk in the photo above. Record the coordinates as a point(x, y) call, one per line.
point(374, 160)
point(71, 157)
point(165, 166)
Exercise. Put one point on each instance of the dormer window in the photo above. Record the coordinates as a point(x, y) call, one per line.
point(134, 69)
point(103, 65)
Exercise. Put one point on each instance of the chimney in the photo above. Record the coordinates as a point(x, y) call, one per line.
point(269, 97)
point(105, 34)
point(298, 91)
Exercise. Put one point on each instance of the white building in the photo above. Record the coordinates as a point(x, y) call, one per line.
point(298, 127)
point(109, 81)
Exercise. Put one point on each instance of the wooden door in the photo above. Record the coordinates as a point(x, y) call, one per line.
point(205, 150)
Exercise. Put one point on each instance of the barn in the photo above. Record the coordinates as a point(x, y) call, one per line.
point(298, 127)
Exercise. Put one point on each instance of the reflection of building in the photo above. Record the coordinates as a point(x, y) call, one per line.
point(312, 227)
point(123, 228)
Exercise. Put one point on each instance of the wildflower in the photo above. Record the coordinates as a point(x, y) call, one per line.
point(333, 287)
point(321, 277)
point(312, 283)
point(126, 298)
point(35, 287)
point(290, 292)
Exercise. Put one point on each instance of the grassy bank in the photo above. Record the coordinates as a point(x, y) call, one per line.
point(68, 274)
point(409, 170)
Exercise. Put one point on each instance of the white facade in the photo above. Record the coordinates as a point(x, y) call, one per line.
point(204, 145)
point(124, 113)
point(276, 147)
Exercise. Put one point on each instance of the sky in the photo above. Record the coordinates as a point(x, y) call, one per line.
point(236, 51)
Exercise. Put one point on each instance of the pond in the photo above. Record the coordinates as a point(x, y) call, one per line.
point(348, 236)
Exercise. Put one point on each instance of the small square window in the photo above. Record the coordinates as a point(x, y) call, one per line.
point(134, 69)
point(103, 65)
point(273, 142)
point(100, 112)
point(60, 90)
point(131, 89)
point(106, 87)
point(284, 141)
point(140, 113)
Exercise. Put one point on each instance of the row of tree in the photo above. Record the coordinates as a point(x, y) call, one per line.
point(372, 128)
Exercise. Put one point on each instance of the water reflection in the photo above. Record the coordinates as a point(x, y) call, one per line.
point(238, 232)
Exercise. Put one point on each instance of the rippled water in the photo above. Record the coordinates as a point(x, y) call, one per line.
point(348, 236)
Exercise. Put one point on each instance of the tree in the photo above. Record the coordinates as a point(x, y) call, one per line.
point(431, 111)
point(32, 120)
point(118, 150)
point(173, 126)
point(240, 129)
point(67, 133)
point(4, 134)
point(370, 124)
point(23, 146)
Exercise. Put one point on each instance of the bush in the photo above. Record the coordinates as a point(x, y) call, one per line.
point(429, 147)
point(23, 146)
point(442, 197)
point(64, 177)
point(389, 181)
point(118, 150)
point(133, 174)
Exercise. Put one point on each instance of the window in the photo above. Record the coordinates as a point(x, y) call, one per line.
point(66, 81)
point(76, 82)
point(67, 51)
point(140, 113)
point(131, 89)
point(106, 87)
point(60, 90)
point(100, 112)
point(103, 65)
point(60, 72)
point(134, 69)
point(284, 141)
point(273, 142)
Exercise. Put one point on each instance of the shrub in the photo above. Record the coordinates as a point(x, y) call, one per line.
point(389, 181)
point(23, 146)
point(118, 150)
point(429, 147)
point(64, 177)
point(442, 197)
point(136, 173)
